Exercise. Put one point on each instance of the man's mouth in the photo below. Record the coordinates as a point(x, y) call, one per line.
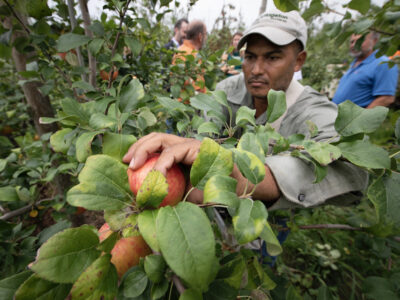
point(257, 83)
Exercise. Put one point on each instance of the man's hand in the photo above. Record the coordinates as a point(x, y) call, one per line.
point(173, 149)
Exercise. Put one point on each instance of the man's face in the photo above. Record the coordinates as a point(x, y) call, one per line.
point(182, 32)
point(268, 66)
point(366, 48)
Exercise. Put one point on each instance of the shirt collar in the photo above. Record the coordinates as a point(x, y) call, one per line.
point(175, 42)
point(292, 93)
point(367, 60)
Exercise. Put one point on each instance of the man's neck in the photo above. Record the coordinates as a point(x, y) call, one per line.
point(261, 105)
point(361, 58)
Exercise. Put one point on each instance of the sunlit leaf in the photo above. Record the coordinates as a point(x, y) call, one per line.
point(249, 165)
point(211, 160)
point(153, 190)
point(221, 189)
point(249, 220)
point(323, 153)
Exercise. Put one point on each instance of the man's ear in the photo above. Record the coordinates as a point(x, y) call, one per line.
point(300, 60)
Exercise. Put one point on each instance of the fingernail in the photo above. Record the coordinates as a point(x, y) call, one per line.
point(131, 163)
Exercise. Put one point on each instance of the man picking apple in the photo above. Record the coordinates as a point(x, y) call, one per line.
point(275, 45)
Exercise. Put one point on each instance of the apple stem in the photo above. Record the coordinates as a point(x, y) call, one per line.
point(187, 194)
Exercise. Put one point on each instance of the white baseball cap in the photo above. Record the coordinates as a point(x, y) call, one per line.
point(281, 28)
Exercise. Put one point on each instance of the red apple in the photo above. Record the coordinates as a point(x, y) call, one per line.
point(175, 179)
point(127, 253)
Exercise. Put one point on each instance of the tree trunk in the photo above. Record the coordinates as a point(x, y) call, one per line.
point(38, 103)
point(263, 7)
point(88, 32)
point(72, 20)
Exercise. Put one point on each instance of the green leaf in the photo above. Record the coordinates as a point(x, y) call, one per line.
point(40, 289)
point(116, 145)
point(232, 271)
point(191, 294)
point(130, 96)
point(353, 119)
point(37, 9)
point(319, 171)
point(365, 154)
point(315, 8)
point(245, 115)
point(221, 189)
point(159, 289)
point(274, 248)
point(397, 131)
point(100, 121)
point(146, 118)
point(173, 105)
point(250, 143)
point(312, 128)
point(384, 193)
point(323, 153)
point(3, 164)
point(276, 105)
point(147, 228)
point(153, 190)
point(360, 5)
point(61, 140)
point(9, 285)
point(206, 103)
point(379, 288)
point(67, 254)
point(134, 45)
point(134, 282)
point(187, 243)
point(249, 165)
point(70, 41)
point(103, 185)
point(84, 145)
point(266, 282)
point(8, 194)
point(75, 110)
point(154, 266)
point(84, 86)
point(211, 160)
point(287, 5)
point(48, 232)
point(98, 281)
point(208, 127)
point(249, 220)
point(95, 46)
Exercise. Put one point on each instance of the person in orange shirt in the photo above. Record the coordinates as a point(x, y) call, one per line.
point(196, 36)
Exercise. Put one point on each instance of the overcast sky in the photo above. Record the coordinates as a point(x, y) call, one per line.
point(208, 10)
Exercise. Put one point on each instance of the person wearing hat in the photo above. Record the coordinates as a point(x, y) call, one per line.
point(275, 49)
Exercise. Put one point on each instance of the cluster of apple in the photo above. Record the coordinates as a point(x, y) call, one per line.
point(127, 251)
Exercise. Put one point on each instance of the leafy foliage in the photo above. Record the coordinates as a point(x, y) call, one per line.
point(98, 121)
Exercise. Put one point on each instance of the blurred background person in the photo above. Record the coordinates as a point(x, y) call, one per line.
point(179, 34)
point(369, 81)
point(236, 54)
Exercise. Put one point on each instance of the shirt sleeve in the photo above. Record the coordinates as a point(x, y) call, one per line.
point(385, 80)
point(295, 179)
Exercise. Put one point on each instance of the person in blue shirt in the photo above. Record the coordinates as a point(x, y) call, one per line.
point(369, 82)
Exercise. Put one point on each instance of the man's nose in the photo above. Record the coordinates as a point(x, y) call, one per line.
point(257, 68)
